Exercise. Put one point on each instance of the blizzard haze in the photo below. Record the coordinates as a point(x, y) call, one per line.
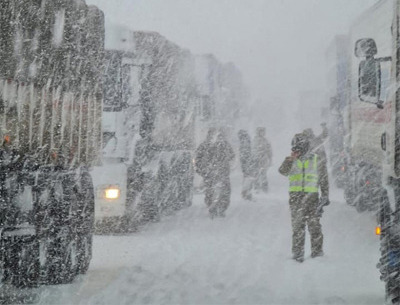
point(279, 45)
point(113, 190)
point(162, 234)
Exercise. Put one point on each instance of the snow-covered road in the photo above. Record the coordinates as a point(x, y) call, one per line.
point(244, 258)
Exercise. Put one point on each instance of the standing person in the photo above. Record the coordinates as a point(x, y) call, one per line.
point(262, 159)
point(308, 175)
point(222, 154)
point(203, 164)
point(246, 162)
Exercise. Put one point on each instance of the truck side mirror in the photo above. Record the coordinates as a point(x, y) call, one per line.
point(369, 72)
point(365, 47)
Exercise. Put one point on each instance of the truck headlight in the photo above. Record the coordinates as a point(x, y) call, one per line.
point(112, 193)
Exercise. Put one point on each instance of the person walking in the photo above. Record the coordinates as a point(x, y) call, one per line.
point(246, 162)
point(221, 155)
point(308, 177)
point(262, 159)
point(203, 164)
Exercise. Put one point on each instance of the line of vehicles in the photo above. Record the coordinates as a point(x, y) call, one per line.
point(98, 125)
point(159, 101)
point(76, 94)
point(364, 91)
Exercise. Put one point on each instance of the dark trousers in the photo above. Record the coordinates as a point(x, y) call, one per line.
point(303, 208)
point(217, 194)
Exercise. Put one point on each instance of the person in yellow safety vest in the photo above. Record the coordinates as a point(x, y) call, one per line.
point(308, 176)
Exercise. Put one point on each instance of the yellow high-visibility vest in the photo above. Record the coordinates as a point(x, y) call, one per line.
point(303, 177)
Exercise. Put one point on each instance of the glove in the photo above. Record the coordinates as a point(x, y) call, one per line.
point(323, 201)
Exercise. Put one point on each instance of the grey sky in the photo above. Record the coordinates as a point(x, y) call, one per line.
point(279, 45)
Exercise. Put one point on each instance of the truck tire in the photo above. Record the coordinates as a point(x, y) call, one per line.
point(389, 263)
point(61, 264)
point(361, 203)
point(84, 253)
point(21, 266)
point(84, 221)
point(392, 290)
point(59, 248)
point(390, 268)
point(20, 253)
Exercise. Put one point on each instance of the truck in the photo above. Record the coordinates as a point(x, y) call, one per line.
point(159, 101)
point(51, 58)
point(372, 134)
point(148, 130)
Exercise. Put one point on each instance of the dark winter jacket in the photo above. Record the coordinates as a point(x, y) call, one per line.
point(203, 158)
point(221, 154)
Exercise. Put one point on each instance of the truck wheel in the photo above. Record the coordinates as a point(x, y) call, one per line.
point(360, 203)
point(391, 270)
point(67, 265)
point(59, 248)
point(393, 290)
point(389, 263)
point(21, 265)
point(85, 208)
point(84, 253)
point(84, 221)
point(60, 266)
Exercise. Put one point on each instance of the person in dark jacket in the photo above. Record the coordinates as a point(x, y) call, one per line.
point(203, 164)
point(221, 155)
point(246, 162)
point(308, 176)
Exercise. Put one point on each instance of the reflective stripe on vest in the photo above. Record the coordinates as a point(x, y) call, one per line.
point(303, 177)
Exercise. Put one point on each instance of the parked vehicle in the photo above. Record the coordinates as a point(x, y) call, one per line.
point(51, 56)
point(371, 120)
point(148, 130)
point(159, 101)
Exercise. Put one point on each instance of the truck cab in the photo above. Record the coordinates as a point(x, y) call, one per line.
point(373, 122)
point(368, 107)
point(148, 128)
